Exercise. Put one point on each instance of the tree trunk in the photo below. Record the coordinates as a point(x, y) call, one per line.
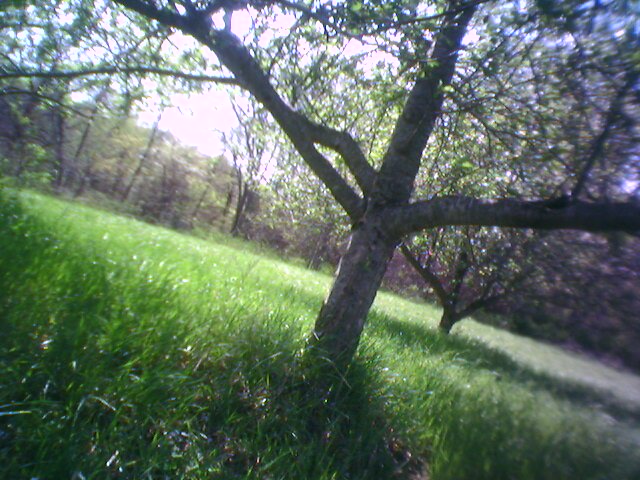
point(143, 159)
point(448, 320)
point(238, 217)
point(59, 130)
point(343, 314)
point(196, 210)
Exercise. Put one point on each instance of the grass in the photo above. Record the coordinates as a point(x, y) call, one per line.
point(129, 351)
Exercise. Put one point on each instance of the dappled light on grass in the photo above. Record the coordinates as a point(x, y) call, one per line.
point(130, 351)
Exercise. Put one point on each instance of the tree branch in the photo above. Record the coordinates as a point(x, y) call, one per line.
point(68, 74)
point(478, 304)
point(46, 98)
point(162, 15)
point(596, 149)
point(577, 215)
point(427, 275)
point(413, 129)
point(345, 145)
point(237, 58)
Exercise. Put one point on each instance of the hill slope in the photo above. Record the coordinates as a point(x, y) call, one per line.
point(132, 351)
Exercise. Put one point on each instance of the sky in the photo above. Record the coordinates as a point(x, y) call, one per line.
point(196, 119)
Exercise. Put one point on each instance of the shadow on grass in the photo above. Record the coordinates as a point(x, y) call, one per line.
point(270, 416)
point(479, 355)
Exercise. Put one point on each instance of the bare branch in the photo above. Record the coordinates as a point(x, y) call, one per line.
point(46, 98)
point(427, 275)
point(596, 149)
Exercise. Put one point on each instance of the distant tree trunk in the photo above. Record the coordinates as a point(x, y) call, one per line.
point(118, 178)
point(143, 159)
point(449, 319)
point(196, 210)
point(238, 216)
point(59, 144)
point(241, 204)
point(320, 248)
point(85, 172)
point(22, 123)
point(227, 203)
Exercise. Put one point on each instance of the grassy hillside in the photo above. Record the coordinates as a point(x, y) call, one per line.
point(129, 351)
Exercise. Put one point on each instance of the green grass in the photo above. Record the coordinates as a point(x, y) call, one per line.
point(129, 351)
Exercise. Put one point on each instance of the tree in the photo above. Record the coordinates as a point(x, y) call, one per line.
point(470, 268)
point(581, 291)
point(431, 51)
point(251, 156)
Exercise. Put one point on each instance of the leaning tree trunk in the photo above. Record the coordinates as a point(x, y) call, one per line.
point(448, 320)
point(340, 322)
point(241, 205)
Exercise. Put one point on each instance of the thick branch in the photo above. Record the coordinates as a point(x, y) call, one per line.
point(115, 70)
point(237, 58)
point(413, 128)
point(148, 9)
point(345, 145)
point(576, 215)
point(478, 304)
point(427, 275)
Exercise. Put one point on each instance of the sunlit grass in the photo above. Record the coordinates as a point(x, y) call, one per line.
point(131, 351)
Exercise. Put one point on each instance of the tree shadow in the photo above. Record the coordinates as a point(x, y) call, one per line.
point(481, 356)
point(291, 416)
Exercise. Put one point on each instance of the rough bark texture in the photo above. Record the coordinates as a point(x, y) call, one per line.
point(343, 314)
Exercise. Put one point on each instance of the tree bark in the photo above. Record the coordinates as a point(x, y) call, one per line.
point(577, 215)
point(340, 322)
point(448, 320)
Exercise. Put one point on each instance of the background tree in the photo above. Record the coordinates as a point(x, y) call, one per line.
point(252, 155)
point(582, 292)
point(469, 269)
